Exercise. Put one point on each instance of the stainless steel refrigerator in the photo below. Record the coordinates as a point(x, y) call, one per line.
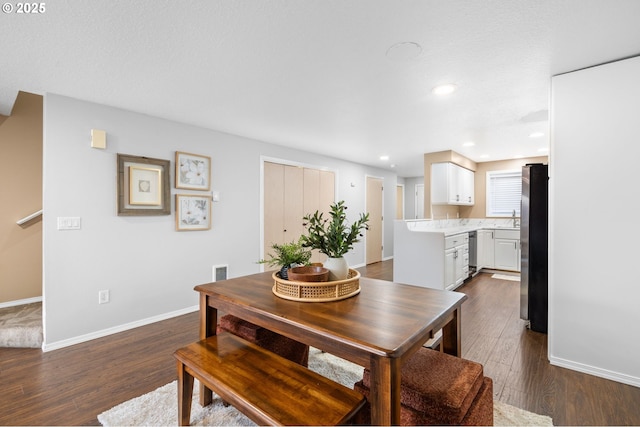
point(534, 232)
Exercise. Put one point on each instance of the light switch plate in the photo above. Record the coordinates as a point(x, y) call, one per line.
point(69, 223)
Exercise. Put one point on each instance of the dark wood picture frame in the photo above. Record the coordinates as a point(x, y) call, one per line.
point(128, 207)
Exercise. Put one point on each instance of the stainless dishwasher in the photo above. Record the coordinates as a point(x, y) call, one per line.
point(473, 252)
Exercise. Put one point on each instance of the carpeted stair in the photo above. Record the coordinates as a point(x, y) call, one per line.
point(21, 326)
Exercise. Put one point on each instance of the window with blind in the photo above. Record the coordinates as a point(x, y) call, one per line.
point(504, 191)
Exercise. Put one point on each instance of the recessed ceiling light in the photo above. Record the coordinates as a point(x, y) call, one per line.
point(468, 144)
point(444, 89)
point(404, 51)
point(536, 135)
point(384, 157)
point(484, 156)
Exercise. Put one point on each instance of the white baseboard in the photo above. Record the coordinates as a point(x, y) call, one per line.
point(121, 328)
point(598, 372)
point(20, 302)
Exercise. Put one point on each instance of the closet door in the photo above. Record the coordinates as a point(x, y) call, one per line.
point(291, 192)
point(293, 203)
point(327, 191)
point(319, 191)
point(311, 191)
point(273, 205)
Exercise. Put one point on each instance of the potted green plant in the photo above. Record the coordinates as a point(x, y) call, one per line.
point(287, 255)
point(333, 237)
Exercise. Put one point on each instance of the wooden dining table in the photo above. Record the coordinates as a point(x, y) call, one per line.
point(379, 328)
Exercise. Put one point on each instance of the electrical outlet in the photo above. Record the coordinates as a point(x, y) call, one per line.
point(103, 297)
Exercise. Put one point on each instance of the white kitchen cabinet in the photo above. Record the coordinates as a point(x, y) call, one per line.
point(507, 250)
point(451, 184)
point(456, 260)
point(466, 185)
point(485, 249)
point(449, 268)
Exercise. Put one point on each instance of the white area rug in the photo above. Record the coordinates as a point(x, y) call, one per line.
point(512, 277)
point(160, 407)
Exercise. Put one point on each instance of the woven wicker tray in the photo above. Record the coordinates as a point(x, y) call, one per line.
point(317, 291)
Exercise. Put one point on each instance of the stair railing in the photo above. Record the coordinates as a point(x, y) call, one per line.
point(29, 217)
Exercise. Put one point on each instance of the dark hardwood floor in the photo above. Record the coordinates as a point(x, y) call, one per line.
point(71, 386)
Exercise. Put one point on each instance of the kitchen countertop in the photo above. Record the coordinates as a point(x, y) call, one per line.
point(457, 226)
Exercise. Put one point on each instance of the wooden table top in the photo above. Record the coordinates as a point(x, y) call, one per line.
point(385, 319)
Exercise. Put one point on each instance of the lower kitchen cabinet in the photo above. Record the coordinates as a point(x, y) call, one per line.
point(485, 249)
point(507, 250)
point(456, 260)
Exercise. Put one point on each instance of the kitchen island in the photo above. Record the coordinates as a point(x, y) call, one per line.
point(442, 254)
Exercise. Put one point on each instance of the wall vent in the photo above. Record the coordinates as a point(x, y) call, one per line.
point(219, 272)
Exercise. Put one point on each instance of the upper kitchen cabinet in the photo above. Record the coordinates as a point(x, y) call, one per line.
point(451, 184)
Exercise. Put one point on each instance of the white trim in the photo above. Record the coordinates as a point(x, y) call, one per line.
point(121, 328)
point(593, 370)
point(20, 302)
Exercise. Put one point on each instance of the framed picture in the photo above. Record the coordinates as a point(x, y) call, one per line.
point(193, 212)
point(143, 186)
point(193, 172)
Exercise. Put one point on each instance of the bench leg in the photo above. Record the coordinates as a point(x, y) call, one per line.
point(185, 395)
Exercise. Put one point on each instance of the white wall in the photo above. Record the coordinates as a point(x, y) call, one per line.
point(149, 268)
point(593, 286)
point(410, 196)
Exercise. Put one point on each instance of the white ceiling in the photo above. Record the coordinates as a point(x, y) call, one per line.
point(314, 74)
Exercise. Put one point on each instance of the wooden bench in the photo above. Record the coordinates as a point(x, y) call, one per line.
point(267, 388)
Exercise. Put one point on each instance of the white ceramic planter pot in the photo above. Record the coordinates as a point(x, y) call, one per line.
point(338, 268)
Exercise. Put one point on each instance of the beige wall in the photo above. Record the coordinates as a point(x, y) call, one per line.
point(478, 210)
point(21, 195)
point(442, 211)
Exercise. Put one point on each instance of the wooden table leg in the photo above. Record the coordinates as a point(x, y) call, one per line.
point(185, 391)
point(451, 335)
point(208, 326)
point(385, 391)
